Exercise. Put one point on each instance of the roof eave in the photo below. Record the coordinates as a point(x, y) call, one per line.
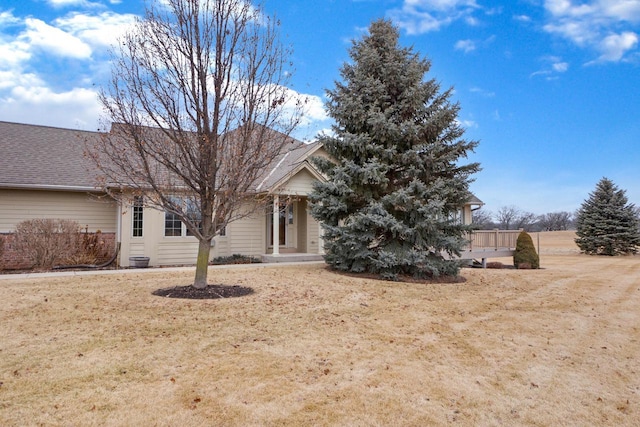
point(303, 165)
point(50, 187)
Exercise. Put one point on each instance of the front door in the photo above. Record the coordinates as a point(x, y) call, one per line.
point(285, 216)
point(282, 227)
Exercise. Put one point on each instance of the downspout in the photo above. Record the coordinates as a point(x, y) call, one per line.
point(118, 232)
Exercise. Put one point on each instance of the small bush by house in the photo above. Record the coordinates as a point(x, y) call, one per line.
point(235, 259)
point(525, 256)
point(44, 243)
point(495, 265)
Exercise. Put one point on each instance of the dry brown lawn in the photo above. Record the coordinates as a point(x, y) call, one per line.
point(556, 346)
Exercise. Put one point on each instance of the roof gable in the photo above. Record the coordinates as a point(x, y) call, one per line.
point(289, 165)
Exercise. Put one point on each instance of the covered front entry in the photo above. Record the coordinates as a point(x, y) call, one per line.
point(285, 217)
point(289, 224)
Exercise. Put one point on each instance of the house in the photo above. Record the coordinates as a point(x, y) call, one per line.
point(44, 174)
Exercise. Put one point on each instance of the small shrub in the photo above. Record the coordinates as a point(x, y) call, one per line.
point(91, 249)
point(45, 242)
point(524, 266)
point(495, 264)
point(525, 253)
point(235, 259)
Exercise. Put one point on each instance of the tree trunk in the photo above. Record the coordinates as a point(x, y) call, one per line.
point(202, 265)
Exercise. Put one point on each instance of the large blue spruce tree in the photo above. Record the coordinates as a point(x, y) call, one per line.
point(606, 224)
point(396, 181)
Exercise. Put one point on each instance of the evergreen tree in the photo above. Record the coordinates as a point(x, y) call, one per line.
point(525, 253)
point(395, 183)
point(606, 224)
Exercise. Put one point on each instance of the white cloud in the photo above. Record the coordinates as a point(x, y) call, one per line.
point(467, 124)
point(7, 18)
point(76, 108)
point(13, 53)
point(465, 45)
point(315, 110)
point(560, 67)
point(625, 10)
point(69, 3)
point(470, 45)
point(101, 30)
point(314, 117)
point(578, 32)
point(554, 66)
point(54, 40)
point(614, 46)
point(422, 16)
point(471, 21)
point(567, 8)
point(442, 5)
point(482, 92)
point(12, 78)
point(522, 18)
point(601, 25)
point(26, 94)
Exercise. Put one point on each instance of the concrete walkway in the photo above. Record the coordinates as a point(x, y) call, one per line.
point(26, 276)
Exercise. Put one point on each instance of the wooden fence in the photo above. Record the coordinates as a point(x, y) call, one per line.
point(493, 239)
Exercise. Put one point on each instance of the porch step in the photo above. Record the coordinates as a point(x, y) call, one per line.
point(299, 257)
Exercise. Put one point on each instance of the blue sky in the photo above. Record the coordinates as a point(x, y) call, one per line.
point(550, 88)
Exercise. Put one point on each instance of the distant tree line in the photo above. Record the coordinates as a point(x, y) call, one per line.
point(606, 223)
point(514, 218)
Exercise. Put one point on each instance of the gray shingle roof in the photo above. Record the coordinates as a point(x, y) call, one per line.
point(286, 164)
point(475, 201)
point(33, 156)
point(44, 157)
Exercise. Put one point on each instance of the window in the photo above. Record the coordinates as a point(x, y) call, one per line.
point(173, 227)
point(457, 217)
point(137, 216)
point(193, 212)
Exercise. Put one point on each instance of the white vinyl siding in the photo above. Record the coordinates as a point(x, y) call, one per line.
point(177, 252)
point(247, 236)
point(313, 232)
point(301, 215)
point(88, 210)
point(300, 184)
point(137, 249)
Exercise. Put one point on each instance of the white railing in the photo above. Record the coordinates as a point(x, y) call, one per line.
point(493, 239)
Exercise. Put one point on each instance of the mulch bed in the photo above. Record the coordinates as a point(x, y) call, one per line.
point(210, 292)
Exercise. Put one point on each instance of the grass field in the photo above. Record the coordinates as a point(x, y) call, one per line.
point(556, 346)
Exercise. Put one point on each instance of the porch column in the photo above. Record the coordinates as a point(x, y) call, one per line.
point(276, 225)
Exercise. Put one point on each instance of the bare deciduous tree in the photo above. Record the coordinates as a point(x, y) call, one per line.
point(199, 96)
point(511, 217)
point(555, 221)
point(525, 221)
point(482, 219)
point(507, 216)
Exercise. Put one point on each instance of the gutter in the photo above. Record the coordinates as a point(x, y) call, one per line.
point(9, 186)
